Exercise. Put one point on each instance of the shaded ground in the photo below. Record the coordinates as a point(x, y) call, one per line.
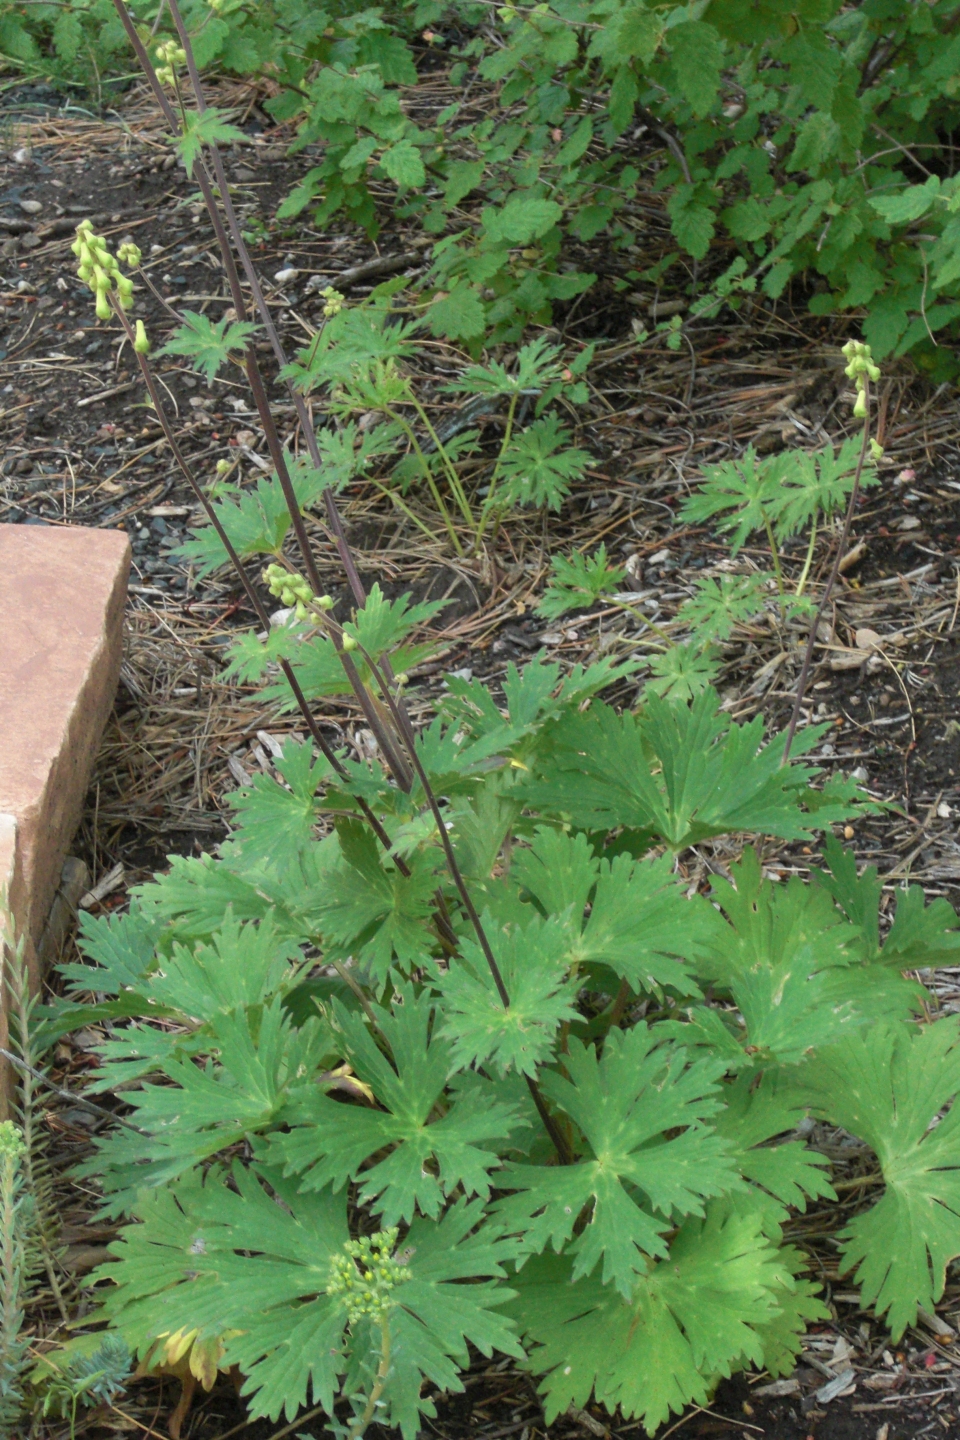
point(79, 447)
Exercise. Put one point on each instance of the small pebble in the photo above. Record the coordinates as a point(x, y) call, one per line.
point(31, 207)
point(848, 832)
point(284, 277)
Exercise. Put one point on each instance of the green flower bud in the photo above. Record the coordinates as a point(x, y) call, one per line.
point(876, 450)
point(349, 643)
point(324, 602)
point(223, 467)
point(11, 1141)
point(104, 311)
point(333, 302)
point(130, 254)
point(124, 292)
point(860, 406)
point(141, 344)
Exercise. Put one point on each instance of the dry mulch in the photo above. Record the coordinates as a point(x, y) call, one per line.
point(78, 446)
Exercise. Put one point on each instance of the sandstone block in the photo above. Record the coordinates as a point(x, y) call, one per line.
point(62, 594)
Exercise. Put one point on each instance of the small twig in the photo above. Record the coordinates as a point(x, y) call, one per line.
point(68, 1094)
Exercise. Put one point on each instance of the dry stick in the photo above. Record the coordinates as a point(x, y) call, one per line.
point(831, 579)
point(68, 1094)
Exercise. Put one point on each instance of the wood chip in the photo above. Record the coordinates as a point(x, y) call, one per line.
point(110, 882)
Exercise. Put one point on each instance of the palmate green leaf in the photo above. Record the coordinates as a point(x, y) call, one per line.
point(207, 343)
point(242, 965)
point(249, 659)
point(200, 1111)
point(719, 606)
point(683, 672)
point(215, 1258)
point(370, 910)
point(122, 948)
point(538, 365)
point(429, 1155)
point(317, 667)
point(275, 822)
point(381, 623)
point(785, 1174)
point(895, 1089)
point(641, 923)
point(697, 1314)
point(791, 963)
point(194, 894)
point(381, 627)
point(231, 1262)
point(744, 492)
point(539, 466)
point(533, 696)
point(206, 127)
point(137, 1051)
point(355, 339)
point(256, 522)
point(534, 964)
point(624, 1105)
point(921, 935)
point(711, 777)
point(816, 485)
point(578, 582)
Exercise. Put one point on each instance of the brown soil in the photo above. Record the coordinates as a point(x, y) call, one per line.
point(78, 447)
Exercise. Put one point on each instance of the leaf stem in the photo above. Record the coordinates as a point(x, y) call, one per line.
point(410, 433)
point(257, 604)
point(383, 1370)
point(495, 477)
point(775, 556)
point(805, 572)
point(459, 493)
point(831, 579)
point(403, 723)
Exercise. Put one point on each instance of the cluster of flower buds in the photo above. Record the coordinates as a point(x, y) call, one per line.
point(11, 1141)
point(332, 302)
point(860, 368)
point(366, 1274)
point(294, 591)
point(169, 54)
point(101, 271)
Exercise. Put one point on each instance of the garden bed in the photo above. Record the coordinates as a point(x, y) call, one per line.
point(79, 447)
